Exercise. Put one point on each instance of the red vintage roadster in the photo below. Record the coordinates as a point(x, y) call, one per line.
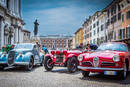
point(62, 58)
point(110, 58)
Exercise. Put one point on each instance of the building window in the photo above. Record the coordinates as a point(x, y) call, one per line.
point(108, 22)
point(122, 5)
point(98, 30)
point(94, 32)
point(90, 34)
point(119, 16)
point(87, 35)
point(94, 25)
point(115, 9)
point(128, 15)
point(114, 35)
point(97, 23)
point(108, 13)
point(90, 27)
point(8, 4)
point(90, 41)
point(94, 41)
point(128, 32)
point(94, 19)
point(121, 34)
point(101, 27)
point(122, 17)
point(119, 7)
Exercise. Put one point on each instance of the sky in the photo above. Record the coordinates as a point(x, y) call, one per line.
point(57, 17)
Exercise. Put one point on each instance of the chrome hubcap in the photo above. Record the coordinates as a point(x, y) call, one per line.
point(48, 63)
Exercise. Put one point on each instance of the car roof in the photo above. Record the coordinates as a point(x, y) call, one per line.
point(25, 44)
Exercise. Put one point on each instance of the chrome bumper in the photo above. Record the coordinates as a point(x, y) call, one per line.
point(21, 63)
point(98, 68)
point(2, 63)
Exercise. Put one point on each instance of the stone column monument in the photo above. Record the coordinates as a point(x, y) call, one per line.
point(35, 28)
point(35, 38)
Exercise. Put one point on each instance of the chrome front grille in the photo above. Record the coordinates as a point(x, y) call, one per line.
point(11, 57)
point(59, 58)
point(103, 64)
point(88, 63)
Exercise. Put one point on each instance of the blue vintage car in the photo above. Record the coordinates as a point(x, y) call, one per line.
point(25, 54)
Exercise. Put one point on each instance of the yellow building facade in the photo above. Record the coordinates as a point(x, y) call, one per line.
point(79, 37)
point(125, 23)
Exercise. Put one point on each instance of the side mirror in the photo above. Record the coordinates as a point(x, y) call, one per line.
point(65, 52)
point(58, 52)
point(53, 52)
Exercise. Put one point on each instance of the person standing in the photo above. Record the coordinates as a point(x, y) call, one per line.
point(88, 47)
point(44, 49)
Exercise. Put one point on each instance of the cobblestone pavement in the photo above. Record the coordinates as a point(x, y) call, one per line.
point(59, 77)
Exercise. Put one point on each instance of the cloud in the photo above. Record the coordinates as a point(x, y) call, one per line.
point(58, 16)
point(59, 20)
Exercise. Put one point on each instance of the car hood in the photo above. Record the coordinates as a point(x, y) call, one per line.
point(104, 54)
point(74, 51)
point(21, 50)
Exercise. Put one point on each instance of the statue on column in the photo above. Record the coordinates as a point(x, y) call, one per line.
point(35, 28)
point(35, 38)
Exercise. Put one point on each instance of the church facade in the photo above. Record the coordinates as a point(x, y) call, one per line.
point(11, 23)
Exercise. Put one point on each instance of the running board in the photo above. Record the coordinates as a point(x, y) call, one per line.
point(9, 67)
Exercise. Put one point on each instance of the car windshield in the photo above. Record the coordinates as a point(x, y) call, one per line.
point(113, 47)
point(23, 46)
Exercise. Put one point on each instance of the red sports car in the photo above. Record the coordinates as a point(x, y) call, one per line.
point(110, 58)
point(62, 58)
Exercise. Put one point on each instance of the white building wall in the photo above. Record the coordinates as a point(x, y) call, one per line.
point(3, 3)
point(102, 22)
point(12, 22)
point(94, 29)
point(2, 34)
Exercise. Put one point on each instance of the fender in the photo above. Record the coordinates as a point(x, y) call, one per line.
point(3, 58)
point(71, 55)
point(27, 56)
point(50, 55)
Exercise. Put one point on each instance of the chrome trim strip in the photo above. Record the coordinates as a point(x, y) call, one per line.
point(98, 68)
point(21, 63)
point(3, 62)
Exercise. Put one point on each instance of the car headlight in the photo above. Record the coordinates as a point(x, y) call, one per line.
point(80, 57)
point(4, 54)
point(20, 54)
point(116, 58)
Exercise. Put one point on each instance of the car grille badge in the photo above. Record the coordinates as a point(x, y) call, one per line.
point(95, 61)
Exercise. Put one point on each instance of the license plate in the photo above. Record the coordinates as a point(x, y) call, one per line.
point(110, 72)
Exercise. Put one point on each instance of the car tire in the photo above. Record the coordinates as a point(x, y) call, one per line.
point(123, 74)
point(41, 64)
point(47, 66)
point(2, 67)
point(72, 64)
point(85, 73)
point(30, 66)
